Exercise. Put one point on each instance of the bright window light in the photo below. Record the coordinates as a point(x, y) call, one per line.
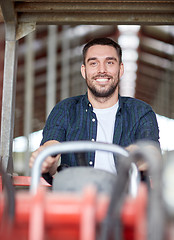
point(128, 28)
point(128, 91)
point(130, 55)
point(20, 143)
point(130, 66)
point(128, 41)
point(166, 132)
point(129, 77)
point(35, 139)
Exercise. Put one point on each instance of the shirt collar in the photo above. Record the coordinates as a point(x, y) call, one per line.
point(88, 104)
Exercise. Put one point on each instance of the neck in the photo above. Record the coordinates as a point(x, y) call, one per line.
point(103, 102)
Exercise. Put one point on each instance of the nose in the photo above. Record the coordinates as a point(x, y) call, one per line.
point(102, 68)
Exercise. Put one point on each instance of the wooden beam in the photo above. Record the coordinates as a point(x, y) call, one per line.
point(103, 18)
point(152, 12)
point(151, 50)
point(156, 33)
point(91, 6)
point(100, 1)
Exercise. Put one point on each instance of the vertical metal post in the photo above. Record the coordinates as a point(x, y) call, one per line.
point(65, 67)
point(51, 69)
point(8, 100)
point(29, 93)
point(14, 31)
point(75, 85)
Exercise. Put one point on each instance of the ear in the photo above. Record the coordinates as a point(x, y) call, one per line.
point(121, 69)
point(83, 71)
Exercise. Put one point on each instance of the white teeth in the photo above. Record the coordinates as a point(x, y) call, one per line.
point(101, 79)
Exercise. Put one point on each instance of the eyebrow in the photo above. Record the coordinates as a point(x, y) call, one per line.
point(107, 58)
point(91, 59)
point(111, 58)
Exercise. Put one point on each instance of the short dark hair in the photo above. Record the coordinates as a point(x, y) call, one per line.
point(102, 41)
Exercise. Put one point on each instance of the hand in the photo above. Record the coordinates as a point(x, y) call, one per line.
point(50, 164)
point(141, 164)
point(150, 147)
point(131, 147)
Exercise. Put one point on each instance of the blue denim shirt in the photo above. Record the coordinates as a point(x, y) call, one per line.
point(73, 119)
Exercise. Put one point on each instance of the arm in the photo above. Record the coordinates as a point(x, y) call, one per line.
point(54, 129)
point(51, 163)
point(146, 129)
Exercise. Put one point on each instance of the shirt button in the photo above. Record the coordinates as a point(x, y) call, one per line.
point(92, 139)
point(93, 119)
point(89, 105)
point(86, 110)
point(90, 163)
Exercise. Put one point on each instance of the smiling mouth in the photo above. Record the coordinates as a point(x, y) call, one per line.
point(102, 79)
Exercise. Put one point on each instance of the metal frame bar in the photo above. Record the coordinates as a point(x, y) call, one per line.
point(65, 63)
point(8, 103)
point(9, 86)
point(51, 69)
point(69, 147)
point(13, 32)
point(28, 96)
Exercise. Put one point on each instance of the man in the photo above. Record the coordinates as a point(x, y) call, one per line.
point(100, 115)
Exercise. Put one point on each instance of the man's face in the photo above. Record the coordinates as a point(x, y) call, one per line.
point(102, 70)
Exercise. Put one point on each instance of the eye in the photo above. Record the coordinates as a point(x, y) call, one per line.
point(93, 64)
point(110, 62)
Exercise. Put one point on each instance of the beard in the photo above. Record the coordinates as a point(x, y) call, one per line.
point(102, 92)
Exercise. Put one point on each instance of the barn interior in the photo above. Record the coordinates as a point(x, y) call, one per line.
point(49, 38)
point(41, 45)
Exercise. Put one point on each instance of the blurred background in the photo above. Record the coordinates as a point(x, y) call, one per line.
point(49, 61)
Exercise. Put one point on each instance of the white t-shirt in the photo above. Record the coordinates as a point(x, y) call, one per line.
point(105, 131)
